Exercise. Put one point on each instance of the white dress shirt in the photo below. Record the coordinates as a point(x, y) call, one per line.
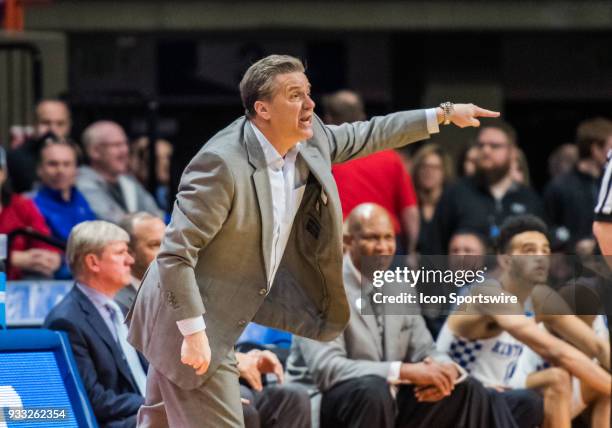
point(287, 186)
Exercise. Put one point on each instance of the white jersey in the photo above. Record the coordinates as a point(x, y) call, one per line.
point(530, 362)
point(492, 361)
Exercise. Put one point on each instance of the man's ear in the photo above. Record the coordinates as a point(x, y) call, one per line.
point(347, 240)
point(93, 153)
point(91, 262)
point(262, 109)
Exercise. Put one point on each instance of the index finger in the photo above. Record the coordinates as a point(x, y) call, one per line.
point(481, 112)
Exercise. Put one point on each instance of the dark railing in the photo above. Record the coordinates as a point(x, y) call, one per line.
point(21, 82)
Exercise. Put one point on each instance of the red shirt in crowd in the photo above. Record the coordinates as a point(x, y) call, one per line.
point(21, 213)
point(380, 178)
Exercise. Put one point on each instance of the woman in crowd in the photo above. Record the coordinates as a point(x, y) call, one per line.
point(431, 172)
point(466, 165)
point(520, 168)
point(28, 256)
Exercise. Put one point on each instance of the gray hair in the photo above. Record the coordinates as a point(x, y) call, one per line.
point(128, 222)
point(91, 237)
point(258, 81)
point(91, 134)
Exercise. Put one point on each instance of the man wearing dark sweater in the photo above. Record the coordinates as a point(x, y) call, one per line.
point(482, 202)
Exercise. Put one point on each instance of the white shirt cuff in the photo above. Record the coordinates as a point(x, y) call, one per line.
point(191, 325)
point(394, 371)
point(432, 121)
point(462, 376)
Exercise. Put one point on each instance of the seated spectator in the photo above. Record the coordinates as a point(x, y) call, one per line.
point(28, 256)
point(139, 165)
point(280, 405)
point(466, 251)
point(342, 106)
point(432, 172)
point(146, 233)
point(488, 339)
point(468, 159)
point(57, 198)
point(569, 198)
point(482, 202)
point(562, 160)
point(582, 299)
point(520, 168)
point(110, 190)
point(113, 373)
point(51, 117)
point(378, 178)
point(354, 372)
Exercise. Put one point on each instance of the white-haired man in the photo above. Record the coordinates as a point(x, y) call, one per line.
point(113, 373)
point(110, 190)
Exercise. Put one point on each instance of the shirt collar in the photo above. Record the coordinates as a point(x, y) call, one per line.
point(97, 298)
point(364, 283)
point(135, 283)
point(273, 159)
point(55, 194)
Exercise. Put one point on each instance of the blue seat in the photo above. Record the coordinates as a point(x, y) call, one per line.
point(38, 371)
point(264, 336)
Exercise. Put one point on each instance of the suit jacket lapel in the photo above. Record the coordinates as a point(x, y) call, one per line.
point(315, 166)
point(99, 326)
point(368, 321)
point(261, 181)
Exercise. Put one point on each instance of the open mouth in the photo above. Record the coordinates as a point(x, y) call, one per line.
point(306, 120)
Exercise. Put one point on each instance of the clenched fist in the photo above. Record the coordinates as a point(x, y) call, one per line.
point(195, 352)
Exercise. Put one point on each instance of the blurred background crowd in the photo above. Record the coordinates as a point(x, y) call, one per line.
point(102, 105)
point(51, 181)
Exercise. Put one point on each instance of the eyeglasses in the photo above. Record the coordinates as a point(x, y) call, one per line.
point(493, 145)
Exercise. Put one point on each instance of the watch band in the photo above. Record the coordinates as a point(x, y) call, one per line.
point(447, 108)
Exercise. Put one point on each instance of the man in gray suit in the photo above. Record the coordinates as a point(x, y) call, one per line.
point(279, 405)
point(385, 371)
point(256, 235)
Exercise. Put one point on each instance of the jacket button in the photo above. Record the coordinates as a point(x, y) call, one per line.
point(241, 323)
point(262, 291)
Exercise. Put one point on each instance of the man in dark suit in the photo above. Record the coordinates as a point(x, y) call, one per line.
point(113, 372)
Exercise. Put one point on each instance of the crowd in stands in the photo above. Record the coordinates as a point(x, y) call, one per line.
point(83, 212)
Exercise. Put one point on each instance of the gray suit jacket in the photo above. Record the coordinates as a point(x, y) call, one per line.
point(95, 189)
point(215, 254)
point(358, 350)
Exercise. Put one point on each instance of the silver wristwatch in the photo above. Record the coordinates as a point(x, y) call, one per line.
point(447, 107)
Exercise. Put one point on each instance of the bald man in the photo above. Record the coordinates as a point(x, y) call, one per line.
point(355, 372)
point(108, 187)
point(52, 119)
